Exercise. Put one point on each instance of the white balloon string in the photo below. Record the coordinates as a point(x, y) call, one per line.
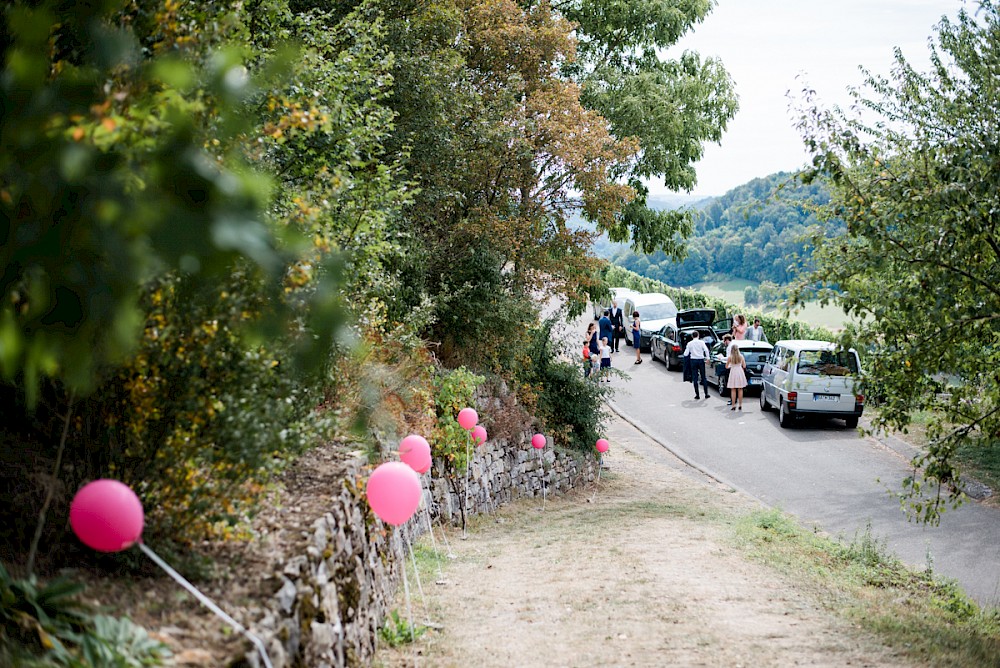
point(437, 553)
point(208, 603)
point(409, 613)
point(413, 557)
point(468, 461)
point(541, 461)
point(600, 465)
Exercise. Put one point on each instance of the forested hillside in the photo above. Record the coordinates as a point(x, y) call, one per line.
point(756, 232)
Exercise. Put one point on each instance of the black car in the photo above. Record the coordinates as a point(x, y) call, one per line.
point(669, 342)
point(754, 352)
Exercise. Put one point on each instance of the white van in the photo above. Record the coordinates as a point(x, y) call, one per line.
point(803, 377)
point(655, 310)
point(618, 295)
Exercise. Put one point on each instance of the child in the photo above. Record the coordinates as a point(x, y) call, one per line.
point(587, 365)
point(605, 360)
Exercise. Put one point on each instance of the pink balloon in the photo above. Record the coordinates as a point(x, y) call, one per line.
point(467, 418)
point(479, 434)
point(415, 451)
point(393, 492)
point(538, 441)
point(602, 445)
point(106, 515)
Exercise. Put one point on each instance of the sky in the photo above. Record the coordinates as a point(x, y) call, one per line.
point(766, 44)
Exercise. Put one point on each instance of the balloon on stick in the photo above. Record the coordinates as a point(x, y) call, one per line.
point(602, 445)
point(479, 434)
point(467, 418)
point(393, 492)
point(538, 441)
point(106, 515)
point(415, 451)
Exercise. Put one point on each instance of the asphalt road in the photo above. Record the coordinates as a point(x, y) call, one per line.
point(821, 472)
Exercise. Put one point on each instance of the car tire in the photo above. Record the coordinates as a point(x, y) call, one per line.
point(784, 417)
point(852, 422)
point(764, 405)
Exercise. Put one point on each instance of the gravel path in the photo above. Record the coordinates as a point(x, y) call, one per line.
point(643, 575)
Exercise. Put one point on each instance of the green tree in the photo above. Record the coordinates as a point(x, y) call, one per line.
point(915, 179)
point(672, 106)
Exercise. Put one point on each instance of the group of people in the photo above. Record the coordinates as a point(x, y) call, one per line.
point(696, 356)
point(604, 338)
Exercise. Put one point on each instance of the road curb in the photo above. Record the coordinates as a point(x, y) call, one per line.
point(708, 473)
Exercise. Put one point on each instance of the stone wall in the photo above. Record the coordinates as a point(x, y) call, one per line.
point(334, 597)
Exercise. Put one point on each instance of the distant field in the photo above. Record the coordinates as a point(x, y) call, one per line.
point(830, 317)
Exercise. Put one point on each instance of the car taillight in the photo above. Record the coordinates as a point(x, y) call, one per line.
point(859, 400)
point(676, 349)
point(792, 397)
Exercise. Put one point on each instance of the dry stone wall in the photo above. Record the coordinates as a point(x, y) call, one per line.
point(333, 598)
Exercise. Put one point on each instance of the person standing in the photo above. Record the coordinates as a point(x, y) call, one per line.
point(587, 364)
point(618, 322)
point(605, 361)
point(592, 344)
point(737, 376)
point(740, 327)
point(697, 353)
point(727, 339)
point(637, 337)
point(756, 332)
point(606, 329)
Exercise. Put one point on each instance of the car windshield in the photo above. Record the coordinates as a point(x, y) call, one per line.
point(827, 363)
point(657, 311)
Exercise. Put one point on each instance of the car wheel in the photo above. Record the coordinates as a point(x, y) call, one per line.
point(852, 422)
point(764, 405)
point(784, 417)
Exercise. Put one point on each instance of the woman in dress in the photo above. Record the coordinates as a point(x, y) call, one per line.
point(637, 337)
point(740, 327)
point(736, 365)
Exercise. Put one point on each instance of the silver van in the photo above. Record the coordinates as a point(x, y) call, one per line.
point(803, 377)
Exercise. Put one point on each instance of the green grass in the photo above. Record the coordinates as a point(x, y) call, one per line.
point(914, 612)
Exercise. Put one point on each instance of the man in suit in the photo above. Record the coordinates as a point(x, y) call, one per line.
point(618, 322)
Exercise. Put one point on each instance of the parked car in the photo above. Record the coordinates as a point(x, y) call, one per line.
point(655, 310)
point(755, 353)
point(803, 377)
point(617, 294)
point(668, 343)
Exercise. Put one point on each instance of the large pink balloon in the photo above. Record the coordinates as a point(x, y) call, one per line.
point(415, 451)
point(479, 434)
point(106, 515)
point(602, 445)
point(393, 492)
point(467, 418)
point(538, 441)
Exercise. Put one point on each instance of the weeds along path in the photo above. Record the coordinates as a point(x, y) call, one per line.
point(645, 575)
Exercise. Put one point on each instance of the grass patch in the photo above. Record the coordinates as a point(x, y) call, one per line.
point(914, 612)
point(979, 459)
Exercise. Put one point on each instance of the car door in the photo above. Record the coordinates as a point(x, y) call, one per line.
point(767, 375)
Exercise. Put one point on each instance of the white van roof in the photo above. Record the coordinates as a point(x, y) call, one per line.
point(650, 298)
point(807, 344)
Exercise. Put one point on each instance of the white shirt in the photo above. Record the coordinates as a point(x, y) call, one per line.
point(696, 349)
point(605, 352)
point(756, 334)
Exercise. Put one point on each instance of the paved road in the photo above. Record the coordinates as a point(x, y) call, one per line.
point(822, 473)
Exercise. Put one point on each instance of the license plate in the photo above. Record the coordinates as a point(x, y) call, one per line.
point(755, 381)
point(826, 397)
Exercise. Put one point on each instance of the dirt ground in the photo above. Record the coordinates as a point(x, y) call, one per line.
point(631, 572)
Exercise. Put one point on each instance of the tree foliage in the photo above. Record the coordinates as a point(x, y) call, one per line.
point(915, 180)
point(671, 106)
